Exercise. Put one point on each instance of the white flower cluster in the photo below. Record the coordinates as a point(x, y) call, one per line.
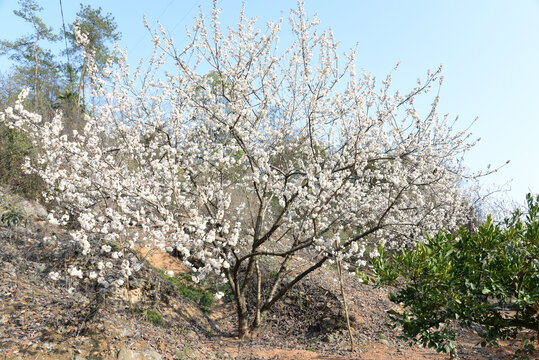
point(80, 37)
point(73, 271)
point(54, 275)
point(269, 153)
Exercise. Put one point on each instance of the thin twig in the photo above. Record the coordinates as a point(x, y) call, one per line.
point(339, 272)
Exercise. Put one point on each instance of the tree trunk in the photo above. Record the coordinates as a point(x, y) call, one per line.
point(258, 315)
point(35, 69)
point(453, 352)
point(243, 321)
point(351, 337)
point(243, 325)
point(81, 82)
point(244, 330)
point(257, 324)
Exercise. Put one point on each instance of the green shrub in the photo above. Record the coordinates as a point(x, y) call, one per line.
point(15, 146)
point(464, 278)
point(11, 218)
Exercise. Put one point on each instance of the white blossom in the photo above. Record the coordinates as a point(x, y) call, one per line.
point(75, 272)
point(54, 275)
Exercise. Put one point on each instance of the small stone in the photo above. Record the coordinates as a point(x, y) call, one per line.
point(35, 210)
point(128, 354)
point(190, 334)
point(9, 269)
point(150, 354)
point(126, 332)
point(40, 267)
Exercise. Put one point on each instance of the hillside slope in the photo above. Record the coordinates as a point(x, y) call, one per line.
point(41, 319)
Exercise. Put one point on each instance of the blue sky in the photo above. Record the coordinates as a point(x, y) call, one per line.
point(489, 49)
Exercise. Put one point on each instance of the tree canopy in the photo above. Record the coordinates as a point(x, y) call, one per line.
point(280, 160)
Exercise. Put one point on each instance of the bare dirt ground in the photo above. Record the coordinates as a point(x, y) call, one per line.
point(39, 319)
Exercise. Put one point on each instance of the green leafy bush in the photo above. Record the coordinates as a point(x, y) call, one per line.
point(467, 279)
point(15, 146)
point(11, 218)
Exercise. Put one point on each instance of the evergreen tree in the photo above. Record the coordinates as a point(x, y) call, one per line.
point(34, 64)
point(101, 30)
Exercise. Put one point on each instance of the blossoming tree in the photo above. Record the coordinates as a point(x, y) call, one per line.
point(276, 153)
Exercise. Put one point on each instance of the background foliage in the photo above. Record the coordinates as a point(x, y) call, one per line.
point(56, 81)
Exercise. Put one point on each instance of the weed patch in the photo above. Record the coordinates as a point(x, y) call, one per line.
point(201, 294)
point(153, 317)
